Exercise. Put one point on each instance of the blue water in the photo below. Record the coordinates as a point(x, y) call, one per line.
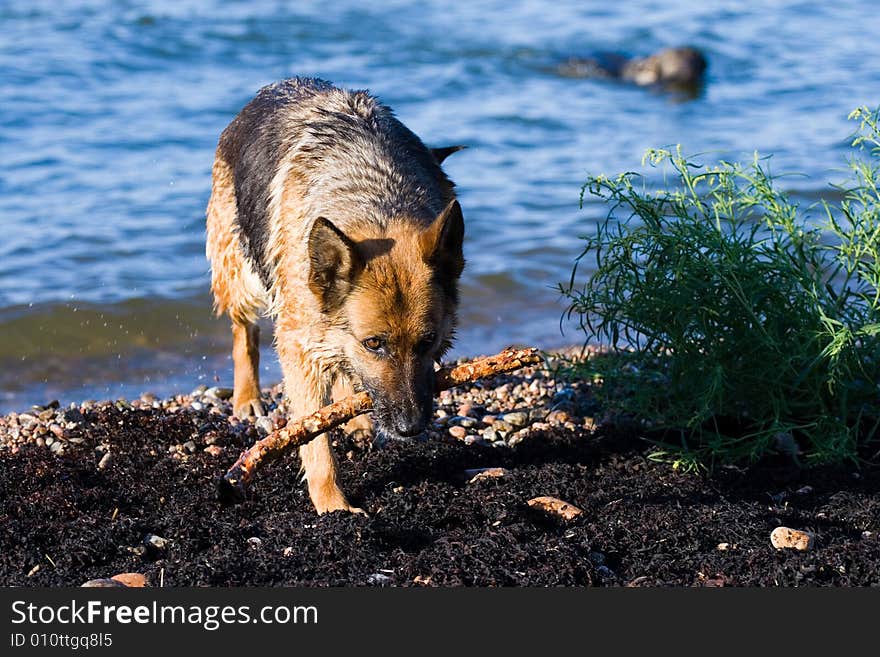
point(111, 112)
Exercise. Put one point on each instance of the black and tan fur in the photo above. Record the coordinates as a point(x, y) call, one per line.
point(331, 216)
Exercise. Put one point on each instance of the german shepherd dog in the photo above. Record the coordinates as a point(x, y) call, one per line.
point(329, 215)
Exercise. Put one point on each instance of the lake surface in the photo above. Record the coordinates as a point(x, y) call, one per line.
point(111, 113)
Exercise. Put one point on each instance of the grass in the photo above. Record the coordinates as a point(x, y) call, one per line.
point(742, 324)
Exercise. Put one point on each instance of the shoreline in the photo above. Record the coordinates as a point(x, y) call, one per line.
point(129, 487)
point(55, 426)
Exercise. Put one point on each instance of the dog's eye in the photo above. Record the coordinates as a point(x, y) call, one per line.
point(373, 344)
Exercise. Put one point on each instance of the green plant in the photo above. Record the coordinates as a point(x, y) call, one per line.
point(742, 324)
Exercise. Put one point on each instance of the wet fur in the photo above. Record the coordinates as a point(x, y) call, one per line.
point(331, 216)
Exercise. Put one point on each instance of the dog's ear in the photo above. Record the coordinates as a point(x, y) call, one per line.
point(442, 241)
point(335, 262)
point(443, 152)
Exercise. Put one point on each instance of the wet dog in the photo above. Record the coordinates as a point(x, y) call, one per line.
point(672, 68)
point(332, 217)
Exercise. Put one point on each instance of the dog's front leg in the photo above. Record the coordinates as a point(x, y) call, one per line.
point(307, 389)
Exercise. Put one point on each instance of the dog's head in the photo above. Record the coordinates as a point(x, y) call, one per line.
point(390, 303)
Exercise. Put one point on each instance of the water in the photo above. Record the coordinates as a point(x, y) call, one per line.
point(111, 112)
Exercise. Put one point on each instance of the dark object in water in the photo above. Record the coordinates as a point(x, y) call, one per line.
point(671, 68)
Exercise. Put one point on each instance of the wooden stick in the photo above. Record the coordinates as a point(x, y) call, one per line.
point(232, 486)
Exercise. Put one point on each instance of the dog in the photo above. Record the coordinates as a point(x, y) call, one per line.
point(329, 215)
point(671, 68)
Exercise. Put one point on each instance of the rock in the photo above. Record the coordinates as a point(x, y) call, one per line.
point(489, 419)
point(57, 447)
point(33, 571)
point(465, 409)
point(219, 393)
point(477, 474)
point(458, 432)
point(264, 424)
point(131, 580)
point(214, 450)
point(722, 547)
point(156, 542)
point(378, 579)
point(804, 490)
point(196, 406)
point(105, 461)
point(255, 542)
point(190, 446)
point(103, 583)
point(783, 538)
point(558, 417)
point(555, 507)
point(502, 428)
point(463, 421)
point(516, 418)
point(57, 429)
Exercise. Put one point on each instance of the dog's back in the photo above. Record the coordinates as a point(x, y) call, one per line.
point(350, 156)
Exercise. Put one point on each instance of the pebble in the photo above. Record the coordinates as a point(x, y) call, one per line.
point(558, 417)
point(458, 432)
point(793, 539)
point(197, 406)
point(463, 421)
point(255, 542)
point(479, 474)
point(103, 583)
point(502, 428)
point(466, 409)
point(264, 424)
point(556, 507)
point(190, 446)
point(517, 418)
point(378, 579)
point(105, 461)
point(131, 580)
point(216, 392)
point(156, 542)
point(214, 450)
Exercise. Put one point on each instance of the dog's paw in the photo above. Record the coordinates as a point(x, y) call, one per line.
point(336, 503)
point(251, 407)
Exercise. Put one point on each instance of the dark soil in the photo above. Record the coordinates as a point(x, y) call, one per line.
point(643, 523)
